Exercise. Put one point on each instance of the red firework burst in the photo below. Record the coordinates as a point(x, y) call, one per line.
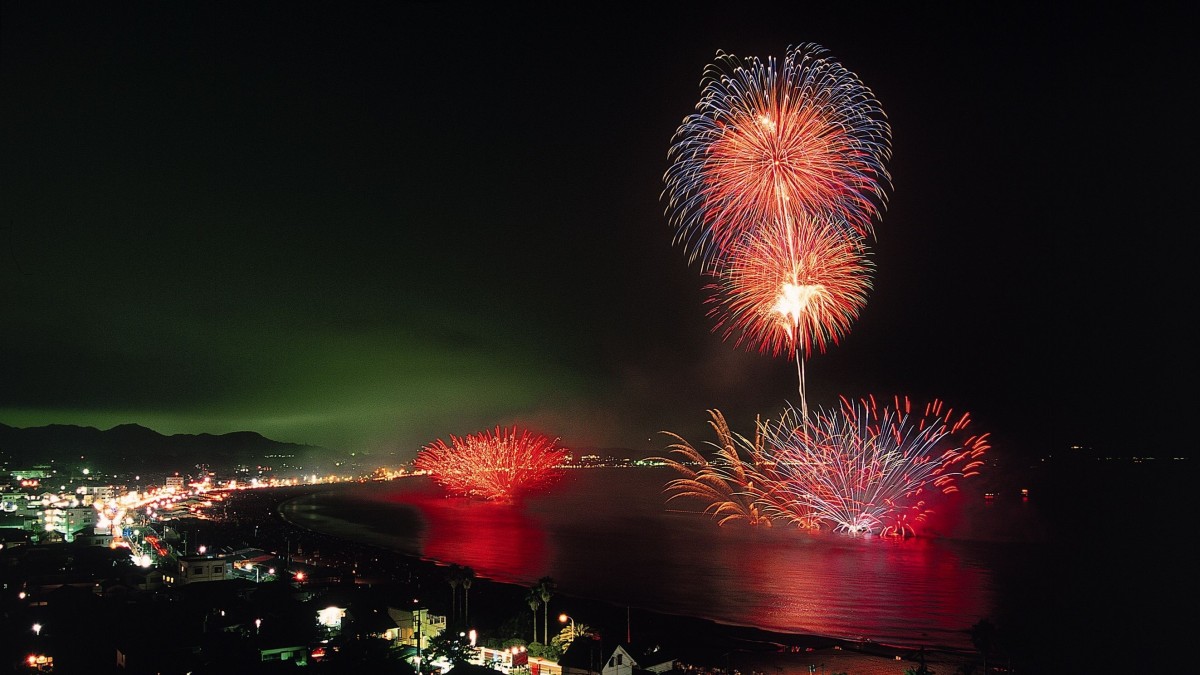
point(861, 468)
point(793, 287)
point(499, 465)
point(775, 138)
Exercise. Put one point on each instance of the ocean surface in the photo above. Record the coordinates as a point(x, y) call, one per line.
point(1092, 559)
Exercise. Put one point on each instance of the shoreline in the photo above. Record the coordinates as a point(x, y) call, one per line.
point(254, 517)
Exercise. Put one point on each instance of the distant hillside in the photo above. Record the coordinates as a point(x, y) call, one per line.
point(130, 448)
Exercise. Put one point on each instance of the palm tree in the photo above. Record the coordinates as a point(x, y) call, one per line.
point(568, 634)
point(545, 589)
point(454, 577)
point(534, 599)
point(468, 578)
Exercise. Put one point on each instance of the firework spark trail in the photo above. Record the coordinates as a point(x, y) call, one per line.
point(836, 473)
point(771, 140)
point(861, 468)
point(792, 288)
point(727, 483)
point(866, 467)
point(499, 466)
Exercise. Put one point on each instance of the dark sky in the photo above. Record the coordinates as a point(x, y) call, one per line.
point(369, 226)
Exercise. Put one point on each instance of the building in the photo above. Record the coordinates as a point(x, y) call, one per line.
point(69, 520)
point(417, 627)
point(199, 568)
point(515, 659)
point(590, 657)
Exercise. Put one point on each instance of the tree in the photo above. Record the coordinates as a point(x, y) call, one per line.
point(567, 635)
point(534, 599)
point(454, 578)
point(512, 629)
point(468, 578)
point(545, 589)
point(454, 647)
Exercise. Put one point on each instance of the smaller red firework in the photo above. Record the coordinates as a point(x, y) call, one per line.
point(500, 465)
point(792, 287)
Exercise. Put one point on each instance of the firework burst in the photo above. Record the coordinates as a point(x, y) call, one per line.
point(867, 467)
point(862, 468)
point(774, 185)
point(501, 465)
point(770, 140)
point(726, 483)
point(791, 288)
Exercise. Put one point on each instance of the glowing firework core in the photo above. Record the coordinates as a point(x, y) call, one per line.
point(792, 302)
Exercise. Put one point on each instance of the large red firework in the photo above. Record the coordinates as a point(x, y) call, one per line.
point(772, 139)
point(500, 465)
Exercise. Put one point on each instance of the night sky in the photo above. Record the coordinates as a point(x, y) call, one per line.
point(370, 226)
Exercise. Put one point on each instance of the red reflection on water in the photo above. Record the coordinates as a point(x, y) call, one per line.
point(944, 516)
point(500, 541)
point(841, 585)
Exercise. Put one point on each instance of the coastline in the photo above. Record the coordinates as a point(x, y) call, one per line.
point(254, 518)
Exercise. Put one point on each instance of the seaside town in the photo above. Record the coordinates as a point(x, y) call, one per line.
point(192, 574)
point(200, 574)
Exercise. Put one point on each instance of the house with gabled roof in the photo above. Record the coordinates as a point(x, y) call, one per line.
point(592, 657)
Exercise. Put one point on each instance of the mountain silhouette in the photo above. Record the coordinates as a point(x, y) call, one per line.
point(132, 448)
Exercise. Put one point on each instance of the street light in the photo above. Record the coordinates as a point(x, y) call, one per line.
point(574, 632)
point(37, 629)
point(563, 618)
point(417, 605)
point(258, 573)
